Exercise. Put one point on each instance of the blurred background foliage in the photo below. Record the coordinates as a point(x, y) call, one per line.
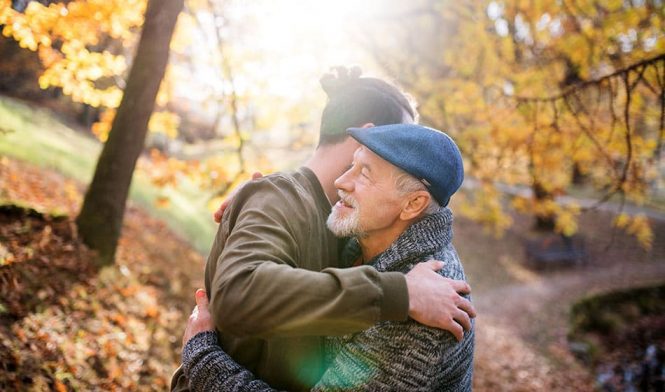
point(545, 99)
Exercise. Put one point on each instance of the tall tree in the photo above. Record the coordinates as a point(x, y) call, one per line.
point(100, 220)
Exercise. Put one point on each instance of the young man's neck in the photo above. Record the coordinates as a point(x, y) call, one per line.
point(329, 162)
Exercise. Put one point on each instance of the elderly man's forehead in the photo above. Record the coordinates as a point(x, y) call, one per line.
point(366, 152)
point(377, 161)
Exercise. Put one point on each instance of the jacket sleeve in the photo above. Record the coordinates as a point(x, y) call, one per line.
point(208, 368)
point(257, 290)
point(405, 356)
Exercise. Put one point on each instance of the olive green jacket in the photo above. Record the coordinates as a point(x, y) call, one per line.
point(276, 285)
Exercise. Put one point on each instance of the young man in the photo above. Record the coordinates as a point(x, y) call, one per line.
point(390, 201)
point(274, 277)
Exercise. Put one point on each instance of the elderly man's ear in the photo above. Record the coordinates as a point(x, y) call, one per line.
point(415, 204)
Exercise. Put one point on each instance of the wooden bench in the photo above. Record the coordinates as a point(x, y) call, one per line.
point(554, 250)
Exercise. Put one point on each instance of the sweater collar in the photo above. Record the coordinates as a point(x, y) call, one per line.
point(423, 238)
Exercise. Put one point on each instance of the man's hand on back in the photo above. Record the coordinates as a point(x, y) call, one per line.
point(436, 301)
point(217, 216)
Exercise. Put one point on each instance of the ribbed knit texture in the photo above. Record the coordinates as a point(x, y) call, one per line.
point(390, 356)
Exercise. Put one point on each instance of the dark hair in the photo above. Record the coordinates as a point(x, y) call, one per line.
point(354, 101)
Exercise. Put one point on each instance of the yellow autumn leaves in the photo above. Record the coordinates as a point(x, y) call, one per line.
point(506, 79)
point(638, 226)
point(467, 63)
point(71, 41)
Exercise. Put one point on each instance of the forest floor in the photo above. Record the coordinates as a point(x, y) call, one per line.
point(65, 325)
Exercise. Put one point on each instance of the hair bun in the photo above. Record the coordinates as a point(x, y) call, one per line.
point(339, 78)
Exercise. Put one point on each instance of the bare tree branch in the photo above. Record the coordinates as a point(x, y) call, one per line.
point(581, 85)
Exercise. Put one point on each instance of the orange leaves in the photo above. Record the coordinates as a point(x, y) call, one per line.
point(163, 170)
point(128, 291)
point(160, 122)
point(163, 202)
point(164, 122)
point(82, 73)
point(102, 127)
point(20, 334)
point(71, 193)
point(215, 174)
point(42, 190)
point(6, 257)
point(116, 330)
point(119, 319)
point(152, 311)
point(59, 386)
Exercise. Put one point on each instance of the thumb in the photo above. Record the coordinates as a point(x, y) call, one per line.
point(217, 216)
point(220, 211)
point(256, 175)
point(201, 299)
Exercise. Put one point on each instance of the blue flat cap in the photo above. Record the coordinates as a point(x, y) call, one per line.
point(427, 154)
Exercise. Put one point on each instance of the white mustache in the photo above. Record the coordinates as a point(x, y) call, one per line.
point(346, 198)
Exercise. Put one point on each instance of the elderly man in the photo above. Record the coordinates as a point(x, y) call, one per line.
point(390, 201)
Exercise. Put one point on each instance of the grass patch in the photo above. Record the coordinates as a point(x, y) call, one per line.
point(36, 135)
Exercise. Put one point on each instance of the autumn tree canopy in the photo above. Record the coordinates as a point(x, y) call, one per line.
point(85, 48)
point(540, 94)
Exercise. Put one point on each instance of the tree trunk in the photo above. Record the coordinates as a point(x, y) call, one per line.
point(579, 178)
point(100, 220)
point(543, 222)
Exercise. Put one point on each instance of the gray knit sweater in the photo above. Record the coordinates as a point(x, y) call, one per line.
point(390, 356)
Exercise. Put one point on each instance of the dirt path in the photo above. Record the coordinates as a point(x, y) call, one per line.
point(524, 303)
point(523, 314)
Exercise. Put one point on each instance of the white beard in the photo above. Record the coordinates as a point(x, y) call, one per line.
point(345, 226)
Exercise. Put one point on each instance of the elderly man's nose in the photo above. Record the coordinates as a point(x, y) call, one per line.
point(342, 182)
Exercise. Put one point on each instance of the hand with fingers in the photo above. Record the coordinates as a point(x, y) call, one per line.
point(217, 216)
point(437, 301)
point(199, 320)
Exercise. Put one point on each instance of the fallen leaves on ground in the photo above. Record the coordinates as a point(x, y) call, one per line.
point(66, 326)
point(505, 362)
